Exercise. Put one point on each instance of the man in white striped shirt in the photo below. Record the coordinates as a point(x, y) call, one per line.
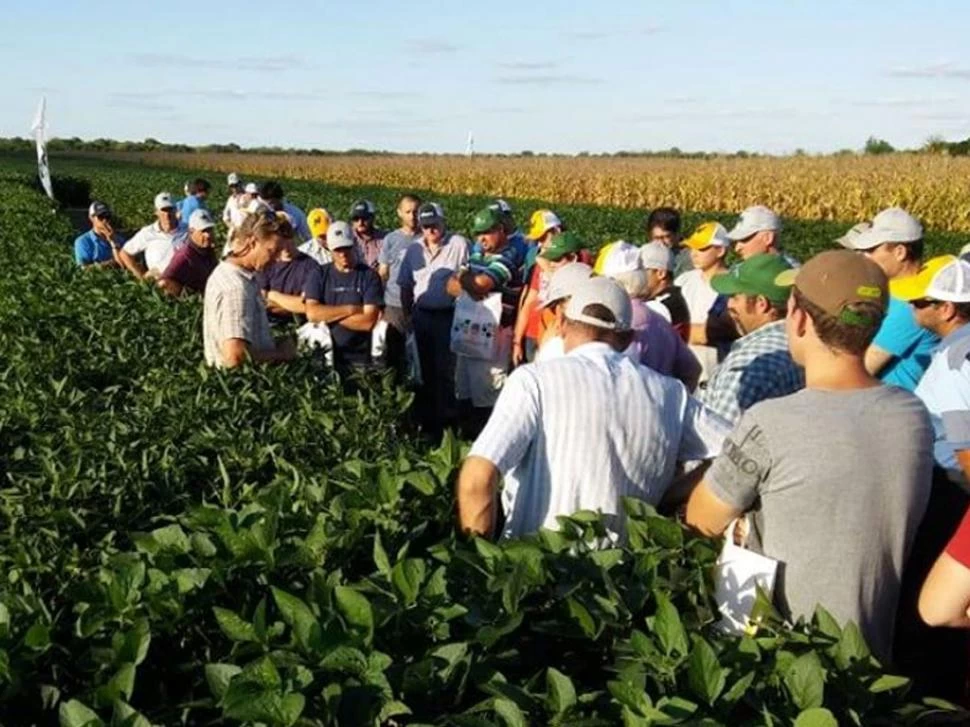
point(583, 431)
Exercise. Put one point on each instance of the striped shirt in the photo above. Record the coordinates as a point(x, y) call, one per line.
point(583, 431)
point(758, 367)
point(233, 308)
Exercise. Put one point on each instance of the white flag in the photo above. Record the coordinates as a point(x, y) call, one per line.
point(40, 136)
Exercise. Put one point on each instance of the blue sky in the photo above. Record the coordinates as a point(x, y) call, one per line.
point(546, 76)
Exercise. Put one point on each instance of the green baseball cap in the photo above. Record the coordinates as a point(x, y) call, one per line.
point(486, 219)
point(755, 276)
point(565, 243)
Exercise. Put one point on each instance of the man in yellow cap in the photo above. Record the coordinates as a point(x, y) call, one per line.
point(319, 221)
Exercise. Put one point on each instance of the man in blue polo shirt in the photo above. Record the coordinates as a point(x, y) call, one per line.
point(901, 350)
point(494, 266)
point(198, 192)
point(99, 246)
point(351, 302)
point(292, 283)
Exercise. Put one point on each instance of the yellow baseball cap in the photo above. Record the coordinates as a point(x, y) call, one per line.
point(318, 220)
point(541, 222)
point(707, 235)
point(914, 287)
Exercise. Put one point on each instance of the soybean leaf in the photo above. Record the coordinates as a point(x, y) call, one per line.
point(705, 676)
point(805, 680)
point(218, 677)
point(816, 717)
point(561, 694)
point(407, 577)
point(510, 713)
point(356, 610)
point(668, 626)
point(75, 714)
point(234, 627)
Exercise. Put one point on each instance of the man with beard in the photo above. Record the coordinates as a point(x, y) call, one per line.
point(759, 365)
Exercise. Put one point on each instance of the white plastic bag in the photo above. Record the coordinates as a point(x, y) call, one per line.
point(738, 575)
point(378, 341)
point(316, 336)
point(413, 359)
point(474, 329)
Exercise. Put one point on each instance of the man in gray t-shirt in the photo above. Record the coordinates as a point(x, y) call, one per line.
point(837, 476)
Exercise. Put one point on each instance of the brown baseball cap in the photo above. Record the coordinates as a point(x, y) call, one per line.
point(836, 279)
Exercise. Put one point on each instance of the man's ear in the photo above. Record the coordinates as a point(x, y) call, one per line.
point(948, 311)
point(800, 321)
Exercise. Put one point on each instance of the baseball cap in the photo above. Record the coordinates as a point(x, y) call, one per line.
point(946, 277)
point(251, 188)
point(752, 220)
point(621, 257)
point(891, 225)
point(656, 256)
point(565, 243)
point(710, 234)
point(486, 219)
point(604, 292)
point(201, 220)
point(362, 209)
point(848, 240)
point(99, 209)
point(564, 281)
point(430, 214)
point(541, 222)
point(318, 221)
point(339, 235)
point(836, 279)
point(233, 179)
point(163, 200)
point(755, 276)
point(502, 207)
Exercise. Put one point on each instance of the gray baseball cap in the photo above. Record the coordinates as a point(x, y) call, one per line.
point(604, 292)
point(891, 225)
point(201, 220)
point(656, 256)
point(564, 281)
point(754, 220)
point(339, 236)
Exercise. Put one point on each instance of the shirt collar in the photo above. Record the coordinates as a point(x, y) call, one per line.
point(593, 349)
point(768, 329)
point(957, 335)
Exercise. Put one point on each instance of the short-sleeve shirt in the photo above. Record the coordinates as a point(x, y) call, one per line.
point(233, 309)
point(959, 545)
point(360, 285)
point(191, 266)
point(837, 495)
point(369, 251)
point(910, 345)
point(698, 294)
point(392, 253)
point(189, 205)
point(427, 273)
point(552, 415)
point(156, 245)
point(945, 390)
point(317, 250)
point(758, 367)
point(300, 224)
point(300, 276)
point(91, 248)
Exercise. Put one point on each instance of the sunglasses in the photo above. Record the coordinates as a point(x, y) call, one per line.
point(922, 303)
point(103, 218)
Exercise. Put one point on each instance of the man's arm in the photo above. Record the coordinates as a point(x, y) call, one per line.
point(384, 271)
point(877, 359)
point(363, 321)
point(945, 597)
point(131, 264)
point(963, 459)
point(317, 312)
point(170, 286)
point(707, 513)
point(235, 351)
point(529, 299)
point(698, 334)
point(477, 494)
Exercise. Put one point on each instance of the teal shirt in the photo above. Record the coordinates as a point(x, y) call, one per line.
point(911, 346)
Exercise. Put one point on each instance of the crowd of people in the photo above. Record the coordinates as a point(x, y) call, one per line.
point(825, 406)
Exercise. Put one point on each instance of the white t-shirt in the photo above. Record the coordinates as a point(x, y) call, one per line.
point(234, 212)
point(698, 294)
point(157, 246)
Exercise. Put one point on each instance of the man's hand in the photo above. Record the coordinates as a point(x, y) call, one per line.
point(453, 287)
point(518, 352)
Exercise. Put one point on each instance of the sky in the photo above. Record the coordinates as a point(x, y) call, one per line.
point(544, 76)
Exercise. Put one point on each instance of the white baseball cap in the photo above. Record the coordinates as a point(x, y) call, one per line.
point(339, 236)
point(163, 201)
point(752, 220)
point(945, 278)
point(232, 179)
point(564, 281)
point(604, 292)
point(622, 257)
point(891, 225)
point(656, 256)
point(251, 188)
point(848, 240)
point(201, 220)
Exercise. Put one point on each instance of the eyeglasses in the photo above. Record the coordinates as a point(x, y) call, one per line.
point(103, 218)
point(922, 303)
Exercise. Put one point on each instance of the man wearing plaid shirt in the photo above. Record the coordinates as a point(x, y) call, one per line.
point(759, 365)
